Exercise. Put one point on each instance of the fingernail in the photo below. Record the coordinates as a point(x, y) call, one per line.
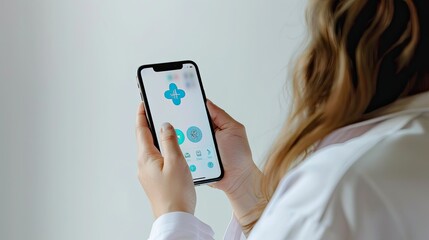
point(166, 126)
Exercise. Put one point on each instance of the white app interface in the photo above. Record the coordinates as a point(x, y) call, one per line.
point(175, 96)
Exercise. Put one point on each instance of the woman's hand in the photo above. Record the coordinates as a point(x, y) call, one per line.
point(241, 181)
point(166, 178)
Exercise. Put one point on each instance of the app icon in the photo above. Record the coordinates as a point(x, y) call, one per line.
point(210, 164)
point(194, 134)
point(187, 155)
point(180, 136)
point(175, 94)
point(198, 153)
point(188, 75)
point(169, 77)
point(193, 168)
point(209, 152)
point(188, 84)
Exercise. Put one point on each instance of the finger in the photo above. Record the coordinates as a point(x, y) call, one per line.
point(144, 136)
point(169, 145)
point(220, 118)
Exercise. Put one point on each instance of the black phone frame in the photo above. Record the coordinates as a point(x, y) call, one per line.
point(168, 66)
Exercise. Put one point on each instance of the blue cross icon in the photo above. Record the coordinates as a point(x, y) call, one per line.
point(174, 94)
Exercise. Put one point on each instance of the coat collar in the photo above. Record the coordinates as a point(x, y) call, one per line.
point(415, 103)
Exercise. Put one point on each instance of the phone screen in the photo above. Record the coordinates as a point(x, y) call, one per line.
point(175, 95)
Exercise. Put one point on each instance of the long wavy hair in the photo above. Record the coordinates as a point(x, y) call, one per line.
point(361, 55)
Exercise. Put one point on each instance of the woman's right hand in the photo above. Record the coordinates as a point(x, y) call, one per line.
point(242, 177)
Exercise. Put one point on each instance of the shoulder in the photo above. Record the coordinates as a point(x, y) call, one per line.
point(358, 187)
point(367, 159)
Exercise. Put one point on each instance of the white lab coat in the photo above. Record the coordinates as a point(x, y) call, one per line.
point(373, 186)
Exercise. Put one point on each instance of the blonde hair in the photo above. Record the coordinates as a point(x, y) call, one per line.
point(362, 54)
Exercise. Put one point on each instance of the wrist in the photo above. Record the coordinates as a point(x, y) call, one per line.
point(171, 207)
point(249, 185)
point(246, 196)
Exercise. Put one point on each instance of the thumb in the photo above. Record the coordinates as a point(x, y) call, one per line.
point(169, 146)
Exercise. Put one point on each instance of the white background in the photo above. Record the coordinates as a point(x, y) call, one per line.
point(68, 98)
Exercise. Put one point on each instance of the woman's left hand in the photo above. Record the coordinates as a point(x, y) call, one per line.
point(166, 178)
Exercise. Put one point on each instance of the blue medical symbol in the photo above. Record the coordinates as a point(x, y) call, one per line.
point(174, 94)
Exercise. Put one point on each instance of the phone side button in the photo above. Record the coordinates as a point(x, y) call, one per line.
point(141, 96)
point(137, 81)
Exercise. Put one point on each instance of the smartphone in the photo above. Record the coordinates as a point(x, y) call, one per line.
point(173, 92)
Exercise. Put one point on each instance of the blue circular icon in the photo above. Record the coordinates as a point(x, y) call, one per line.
point(193, 168)
point(194, 134)
point(210, 165)
point(180, 136)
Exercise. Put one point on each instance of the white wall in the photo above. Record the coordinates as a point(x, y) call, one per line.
point(68, 101)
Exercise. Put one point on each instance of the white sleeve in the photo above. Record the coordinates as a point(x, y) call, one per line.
point(292, 226)
point(180, 225)
point(234, 231)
